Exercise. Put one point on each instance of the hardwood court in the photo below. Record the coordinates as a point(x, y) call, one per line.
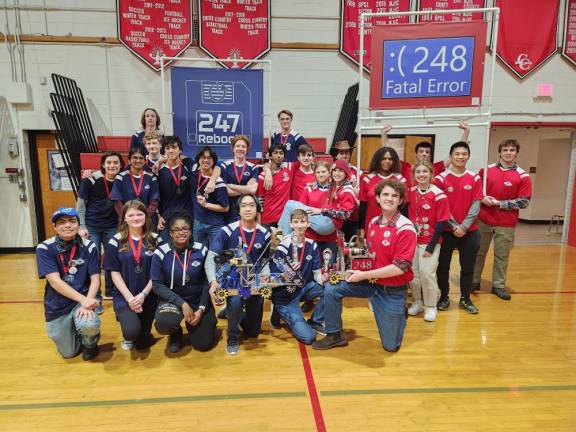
point(510, 368)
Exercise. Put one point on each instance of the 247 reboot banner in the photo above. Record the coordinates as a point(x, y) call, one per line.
point(211, 106)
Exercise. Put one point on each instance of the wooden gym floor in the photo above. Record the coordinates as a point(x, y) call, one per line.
point(510, 368)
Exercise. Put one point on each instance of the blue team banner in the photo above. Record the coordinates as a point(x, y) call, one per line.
point(211, 106)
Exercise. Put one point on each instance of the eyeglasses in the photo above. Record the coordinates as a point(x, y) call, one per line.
point(183, 230)
point(248, 205)
point(285, 118)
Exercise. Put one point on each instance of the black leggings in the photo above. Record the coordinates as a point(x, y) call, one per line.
point(136, 326)
point(468, 247)
point(202, 336)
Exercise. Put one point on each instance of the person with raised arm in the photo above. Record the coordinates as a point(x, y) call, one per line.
point(287, 137)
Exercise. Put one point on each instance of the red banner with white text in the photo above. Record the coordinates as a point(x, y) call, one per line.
point(526, 34)
point(569, 39)
point(448, 5)
point(350, 11)
point(154, 28)
point(238, 29)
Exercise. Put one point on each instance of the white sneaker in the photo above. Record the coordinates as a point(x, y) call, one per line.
point(416, 308)
point(127, 345)
point(370, 306)
point(430, 314)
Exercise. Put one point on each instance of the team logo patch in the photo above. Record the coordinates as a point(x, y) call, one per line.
point(285, 176)
point(149, 253)
point(288, 145)
point(467, 187)
point(385, 242)
point(507, 183)
point(195, 263)
point(426, 207)
point(386, 234)
point(425, 218)
point(372, 233)
point(450, 189)
point(147, 187)
point(78, 262)
point(258, 245)
point(308, 257)
point(183, 177)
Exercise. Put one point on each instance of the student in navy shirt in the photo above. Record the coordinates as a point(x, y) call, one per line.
point(136, 184)
point(290, 139)
point(304, 258)
point(98, 219)
point(71, 267)
point(209, 208)
point(150, 122)
point(179, 281)
point(254, 239)
point(153, 145)
point(240, 176)
point(128, 257)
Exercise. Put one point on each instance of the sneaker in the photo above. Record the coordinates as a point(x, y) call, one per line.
point(502, 293)
point(331, 340)
point(175, 342)
point(443, 304)
point(222, 313)
point(99, 309)
point(90, 353)
point(370, 306)
point(308, 306)
point(430, 314)
point(317, 327)
point(468, 306)
point(416, 308)
point(232, 346)
point(274, 317)
point(476, 286)
point(127, 345)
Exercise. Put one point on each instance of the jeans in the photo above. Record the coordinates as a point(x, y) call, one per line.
point(388, 305)
point(467, 246)
point(424, 284)
point(292, 314)
point(322, 225)
point(101, 236)
point(69, 332)
point(204, 233)
point(503, 244)
point(246, 313)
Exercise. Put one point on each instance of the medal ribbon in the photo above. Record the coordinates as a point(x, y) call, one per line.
point(138, 189)
point(136, 251)
point(107, 187)
point(201, 183)
point(186, 264)
point(176, 178)
point(72, 254)
point(301, 253)
point(239, 177)
point(284, 140)
point(244, 239)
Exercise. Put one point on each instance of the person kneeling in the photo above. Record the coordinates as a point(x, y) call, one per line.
point(71, 266)
point(391, 238)
point(304, 258)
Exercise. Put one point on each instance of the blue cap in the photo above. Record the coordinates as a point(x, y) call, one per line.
point(65, 211)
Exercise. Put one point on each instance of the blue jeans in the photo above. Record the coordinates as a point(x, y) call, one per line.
point(322, 225)
point(101, 237)
point(204, 233)
point(246, 313)
point(293, 317)
point(69, 332)
point(388, 304)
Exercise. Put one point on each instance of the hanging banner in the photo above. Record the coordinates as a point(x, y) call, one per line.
point(238, 29)
point(211, 106)
point(424, 5)
point(526, 34)
point(350, 11)
point(154, 28)
point(427, 65)
point(569, 39)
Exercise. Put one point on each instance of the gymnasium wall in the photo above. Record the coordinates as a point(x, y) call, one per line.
point(311, 83)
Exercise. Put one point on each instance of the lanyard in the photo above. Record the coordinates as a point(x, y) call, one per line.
point(66, 267)
point(201, 183)
point(301, 258)
point(239, 177)
point(136, 250)
point(284, 140)
point(249, 248)
point(137, 189)
point(185, 265)
point(176, 178)
point(107, 187)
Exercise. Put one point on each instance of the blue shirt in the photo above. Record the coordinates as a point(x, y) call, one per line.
point(172, 196)
point(123, 189)
point(99, 207)
point(310, 263)
point(167, 269)
point(292, 142)
point(228, 175)
point(124, 263)
point(49, 256)
point(219, 196)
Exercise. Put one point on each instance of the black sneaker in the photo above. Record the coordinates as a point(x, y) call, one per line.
point(222, 313)
point(274, 317)
point(175, 342)
point(90, 353)
point(502, 293)
point(330, 341)
point(308, 306)
point(468, 306)
point(317, 327)
point(443, 304)
point(232, 346)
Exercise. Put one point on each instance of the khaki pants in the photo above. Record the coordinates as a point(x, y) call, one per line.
point(424, 285)
point(503, 244)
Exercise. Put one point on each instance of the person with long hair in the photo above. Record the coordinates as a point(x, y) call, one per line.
point(128, 258)
point(429, 211)
point(150, 122)
point(179, 280)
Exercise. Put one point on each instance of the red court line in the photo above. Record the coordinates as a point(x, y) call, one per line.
point(316, 408)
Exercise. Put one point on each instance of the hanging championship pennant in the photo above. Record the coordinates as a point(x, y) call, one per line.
point(569, 39)
point(154, 28)
point(235, 29)
point(451, 4)
point(527, 34)
point(350, 26)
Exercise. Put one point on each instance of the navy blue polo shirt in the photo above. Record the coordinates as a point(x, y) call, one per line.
point(291, 142)
point(167, 270)
point(87, 263)
point(122, 261)
point(99, 207)
point(123, 189)
point(219, 196)
point(310, 263)
point(246, 172)
point(169, 196)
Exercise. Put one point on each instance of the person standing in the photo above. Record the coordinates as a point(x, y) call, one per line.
point(150, 122)
point(508, 189)
point(287, 137)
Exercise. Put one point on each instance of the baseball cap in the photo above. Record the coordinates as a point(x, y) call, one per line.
point(64, 211)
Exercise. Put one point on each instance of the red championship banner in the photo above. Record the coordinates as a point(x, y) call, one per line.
point(425, 5)
point(350, 11)
point(527, 34)
point(569, 39)
point(155, 27)
point(237, 29)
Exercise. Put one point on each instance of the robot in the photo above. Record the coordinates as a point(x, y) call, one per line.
point(353, 255)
